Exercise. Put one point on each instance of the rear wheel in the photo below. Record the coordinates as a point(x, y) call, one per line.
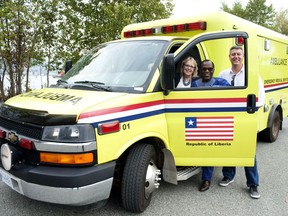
point(140, 178)
point(271, 134)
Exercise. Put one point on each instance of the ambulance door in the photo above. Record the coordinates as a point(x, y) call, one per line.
point(214, 125)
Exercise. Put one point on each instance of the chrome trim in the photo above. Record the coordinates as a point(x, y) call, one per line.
point(64, 147)
point(67, 196)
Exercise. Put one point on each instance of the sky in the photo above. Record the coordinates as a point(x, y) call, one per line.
point(186, 7)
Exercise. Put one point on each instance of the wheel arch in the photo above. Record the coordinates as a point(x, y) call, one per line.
point(155, 141)
point(274, 108)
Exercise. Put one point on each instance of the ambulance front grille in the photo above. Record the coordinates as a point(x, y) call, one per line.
point(28, 130)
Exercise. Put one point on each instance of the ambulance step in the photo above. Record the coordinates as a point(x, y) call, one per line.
point(183, 173)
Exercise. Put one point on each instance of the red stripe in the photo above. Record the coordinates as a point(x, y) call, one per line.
point(120, 109)
point(158, 102)
point(210, 135)
point(214, 122)
point(230, 139)
point(278, 84)
point(216, 117)
point(213, 126)
point(196, 131)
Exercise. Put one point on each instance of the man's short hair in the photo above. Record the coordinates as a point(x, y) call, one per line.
point(236, 47)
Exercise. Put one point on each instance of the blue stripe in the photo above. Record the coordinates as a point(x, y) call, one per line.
point(276, 89)
point(133, 117)
point(173, 110)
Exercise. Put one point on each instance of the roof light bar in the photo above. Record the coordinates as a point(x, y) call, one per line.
point(184, 27)
point(141, 32)
point(200, 25)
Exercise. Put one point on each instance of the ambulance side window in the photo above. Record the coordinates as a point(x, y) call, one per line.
point(217, 52)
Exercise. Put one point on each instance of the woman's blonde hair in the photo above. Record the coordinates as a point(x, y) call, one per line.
point(195, 71)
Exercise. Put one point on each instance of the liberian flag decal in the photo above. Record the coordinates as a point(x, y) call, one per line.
point(209, 128)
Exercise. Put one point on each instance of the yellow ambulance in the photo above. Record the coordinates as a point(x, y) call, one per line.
point(117, 118)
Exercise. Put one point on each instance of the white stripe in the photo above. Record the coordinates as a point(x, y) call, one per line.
point(210, 129)
point(199, 120)
point(208, 133)
point(106, 117)
point(215, 124)
point(210, 137)
point(206, 105)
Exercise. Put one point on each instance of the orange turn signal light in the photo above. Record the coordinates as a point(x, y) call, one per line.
point(66, 158)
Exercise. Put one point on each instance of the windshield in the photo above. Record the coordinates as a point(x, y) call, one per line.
point(121, 66)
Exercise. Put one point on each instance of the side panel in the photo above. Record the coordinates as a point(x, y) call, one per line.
point(211, 126)
point(139, 116)
point(273, 69)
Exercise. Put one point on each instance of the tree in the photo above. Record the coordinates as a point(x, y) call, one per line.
point(34, 30)
point(255, 11)
point(102, 21)
point(15, 40)
point(282, 22)
point(237, 9)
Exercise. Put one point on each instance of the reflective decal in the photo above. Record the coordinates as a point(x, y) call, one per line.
point(53, 96)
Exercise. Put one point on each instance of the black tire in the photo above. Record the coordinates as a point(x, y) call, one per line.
point(134, 194)
point(271, 134)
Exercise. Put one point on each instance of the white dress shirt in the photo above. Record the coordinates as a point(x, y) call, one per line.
point(239, 80)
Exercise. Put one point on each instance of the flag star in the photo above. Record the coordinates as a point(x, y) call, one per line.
point(190, 122)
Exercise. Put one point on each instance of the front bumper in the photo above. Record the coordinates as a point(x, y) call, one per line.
point(67, 186)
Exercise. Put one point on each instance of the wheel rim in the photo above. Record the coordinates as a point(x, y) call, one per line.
point(152, 179)
point(276, 127)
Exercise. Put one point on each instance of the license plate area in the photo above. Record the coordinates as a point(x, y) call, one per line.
point(6, 179)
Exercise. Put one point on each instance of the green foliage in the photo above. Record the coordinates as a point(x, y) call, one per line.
point(36, 30)
point(282, 22)
point(255, 11)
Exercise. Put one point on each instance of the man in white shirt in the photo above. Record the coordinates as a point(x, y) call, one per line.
point(236, 76)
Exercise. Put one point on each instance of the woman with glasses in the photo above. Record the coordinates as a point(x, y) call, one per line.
point(188, 72)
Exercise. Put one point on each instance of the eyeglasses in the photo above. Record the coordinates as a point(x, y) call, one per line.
point(189, 66)
point(209, 69)
point(232, 81)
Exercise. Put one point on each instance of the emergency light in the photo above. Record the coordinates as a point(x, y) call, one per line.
point(200, 25)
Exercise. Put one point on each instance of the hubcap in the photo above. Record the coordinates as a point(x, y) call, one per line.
point(152, 179)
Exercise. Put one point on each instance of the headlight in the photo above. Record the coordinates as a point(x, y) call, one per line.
point(69, 133)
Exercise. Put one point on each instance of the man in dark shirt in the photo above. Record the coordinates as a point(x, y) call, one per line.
point(206, 76)
point(206, 80)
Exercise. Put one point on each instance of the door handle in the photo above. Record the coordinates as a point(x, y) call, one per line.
point(251, 103)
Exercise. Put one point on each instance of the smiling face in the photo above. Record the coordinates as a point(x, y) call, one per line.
point(189, 68)
point(207, 70)
point(236, 57)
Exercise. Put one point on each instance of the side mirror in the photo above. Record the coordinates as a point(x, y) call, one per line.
point(168, 72)
point(68, 66)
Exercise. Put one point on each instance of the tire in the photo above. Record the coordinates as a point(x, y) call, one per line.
point(140, 178)
point(271, 134)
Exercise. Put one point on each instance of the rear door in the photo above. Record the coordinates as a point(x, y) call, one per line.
point(214, 126)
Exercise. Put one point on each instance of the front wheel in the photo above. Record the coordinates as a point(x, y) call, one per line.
point(140, 178)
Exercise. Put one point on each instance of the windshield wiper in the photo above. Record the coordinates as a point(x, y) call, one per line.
point(95, 85)
point(63, 83)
